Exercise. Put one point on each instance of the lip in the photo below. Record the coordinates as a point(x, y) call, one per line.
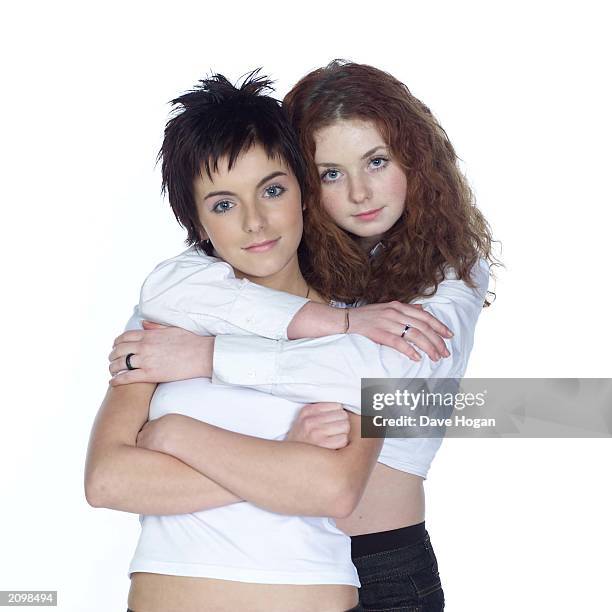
point(261, 247)
point(369, 215)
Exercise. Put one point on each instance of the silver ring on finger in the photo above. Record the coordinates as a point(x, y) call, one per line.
point(128, 363)
point(406, 328)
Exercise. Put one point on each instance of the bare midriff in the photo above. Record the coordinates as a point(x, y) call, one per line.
point(392, 499)
point(161, 593)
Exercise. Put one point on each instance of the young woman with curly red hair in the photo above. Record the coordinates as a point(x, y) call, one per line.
point(385, 196)
point(338, 111)
point(389, 218)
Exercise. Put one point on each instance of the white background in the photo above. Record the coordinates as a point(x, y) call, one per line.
point(522, 90)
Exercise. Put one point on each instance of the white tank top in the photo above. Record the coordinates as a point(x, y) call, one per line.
point(241, 541)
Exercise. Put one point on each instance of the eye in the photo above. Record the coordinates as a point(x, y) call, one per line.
point(330, 176)
point(378, 162)
point(222, 206)
point(274, 191)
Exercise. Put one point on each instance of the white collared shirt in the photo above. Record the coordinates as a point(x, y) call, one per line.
point(199, 293)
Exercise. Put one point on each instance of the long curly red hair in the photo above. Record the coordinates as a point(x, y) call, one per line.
point(440, 225)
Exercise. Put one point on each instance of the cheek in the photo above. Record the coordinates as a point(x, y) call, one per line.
point(221, 233)
point(395, 186)
point(287, 219)
point(332, 200)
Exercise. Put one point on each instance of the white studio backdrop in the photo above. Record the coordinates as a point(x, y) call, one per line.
point(523, 91)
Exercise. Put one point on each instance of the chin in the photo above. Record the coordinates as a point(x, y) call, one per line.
point(367, 232)
point(263, 269)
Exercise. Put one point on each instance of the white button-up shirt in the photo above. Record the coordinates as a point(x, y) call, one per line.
point(201, 294)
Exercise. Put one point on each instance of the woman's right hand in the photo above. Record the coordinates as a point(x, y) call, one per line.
point(384, 324)
point(160, 354)
point(324, 424)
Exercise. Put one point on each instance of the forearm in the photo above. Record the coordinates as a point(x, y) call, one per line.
point(284, 477)
point(148, 482)
point(201, 294)
point(315, 320)
point(309, 370)
point(120, 476)
point(330, 368)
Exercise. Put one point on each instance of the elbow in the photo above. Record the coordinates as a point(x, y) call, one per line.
point(343, 500)
point(342, 509)
point(96, 491)
point(91, 494)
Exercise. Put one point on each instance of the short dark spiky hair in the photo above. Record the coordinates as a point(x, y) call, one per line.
point(214, 120)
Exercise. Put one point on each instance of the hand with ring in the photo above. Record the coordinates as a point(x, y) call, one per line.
point(158, 354)
point(402, 327)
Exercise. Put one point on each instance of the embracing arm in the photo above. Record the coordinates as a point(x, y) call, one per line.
point(173, 295)
point(201, 294)
point(122, 477)
point(330, 369)
point(284, 477)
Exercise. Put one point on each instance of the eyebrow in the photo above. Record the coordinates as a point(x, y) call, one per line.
point(366, 154)
point(265, 179)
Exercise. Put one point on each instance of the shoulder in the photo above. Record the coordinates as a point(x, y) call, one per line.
point(191, 259)
point(188, 263)
point(189, 267)
point(479, 274)
point(456, 292)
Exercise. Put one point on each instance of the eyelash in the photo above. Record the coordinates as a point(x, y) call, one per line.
point(279, 193)
point(222, 211)
point(329, 181)
point(385, 160)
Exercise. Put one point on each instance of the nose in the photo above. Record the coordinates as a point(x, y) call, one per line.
point(254, 219)
point(359, 189)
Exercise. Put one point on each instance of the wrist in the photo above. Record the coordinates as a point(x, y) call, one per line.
point(316, 320)
point(336, 321)
point(207, 353)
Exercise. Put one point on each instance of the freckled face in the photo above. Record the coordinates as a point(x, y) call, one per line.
point(252, 213)
point(363, 188)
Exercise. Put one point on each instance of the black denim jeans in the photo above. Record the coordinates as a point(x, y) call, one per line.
point(404, 579)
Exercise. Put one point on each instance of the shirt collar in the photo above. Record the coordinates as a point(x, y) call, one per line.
point(376, 249)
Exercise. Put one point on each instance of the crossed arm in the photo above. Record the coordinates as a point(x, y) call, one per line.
point(287, 477)
point(120, 476)
point(225, 467)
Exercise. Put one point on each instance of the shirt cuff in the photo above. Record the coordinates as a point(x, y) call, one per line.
point(265, 312)
point(246, 361)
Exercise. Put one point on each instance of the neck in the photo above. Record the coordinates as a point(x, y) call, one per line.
point(288, 279)
point(367, 243)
